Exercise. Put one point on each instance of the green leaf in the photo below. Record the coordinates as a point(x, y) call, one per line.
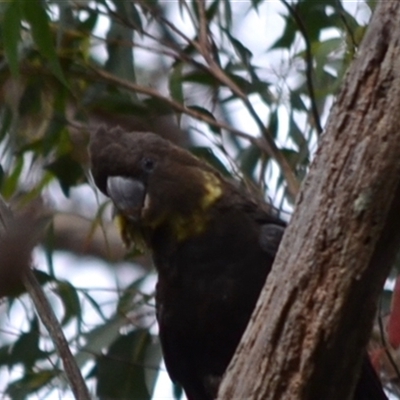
point(175, 83)
point(126, 301)
point(40, 26)
point(207, 155)
point(158, 106)
point(120, 372)
point(321, 50)
point(30, 383)
point(94, 304)
point(195, 9)
point(70, 299)
point(297, 136)
point(68, 172)
point(314, 17)
point(261, 86)
point(288, 36)
point(5, 355)
point(200, 77)
point(42, 276)
point(249, 159)
point(177, 391)
point(207, 113)
point(11, 35)
point(296, 101)
point(90, 22)
point(212, 10)
point(10, 183)
point(241, 50)
point(57, 135)
point(118, 103)
point(228, 13)
point(372, 4)
point(26, 349)
point(134, 16)
point(255, 3)
point(120, 55)
point(273, 123)
point(246, 86)
point(99, 338)
point(292, 156)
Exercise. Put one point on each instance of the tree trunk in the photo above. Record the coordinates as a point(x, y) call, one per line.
point(314, 317)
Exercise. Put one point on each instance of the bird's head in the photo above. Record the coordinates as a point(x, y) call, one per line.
point(152, 182)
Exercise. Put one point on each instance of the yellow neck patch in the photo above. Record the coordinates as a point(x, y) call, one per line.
point(182, 226)
point(213, 190)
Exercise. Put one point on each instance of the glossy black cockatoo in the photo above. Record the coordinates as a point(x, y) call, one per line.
point(213, 245)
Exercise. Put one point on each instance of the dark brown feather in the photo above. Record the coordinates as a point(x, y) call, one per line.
point(212, 268)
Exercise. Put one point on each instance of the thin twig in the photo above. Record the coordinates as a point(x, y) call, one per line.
point(204, 43)
point(51, 323)
point(215, 70)
point(163, 20)
point(203, 46)
point(135, 44)
point(172, 103)
point(175, 53)
point(309, 65)
point(267, 146)
point(266, 143)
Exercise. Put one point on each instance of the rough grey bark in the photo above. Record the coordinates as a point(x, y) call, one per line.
point(315, 314)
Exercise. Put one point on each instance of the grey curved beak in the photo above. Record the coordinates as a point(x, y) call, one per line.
point(127, 195)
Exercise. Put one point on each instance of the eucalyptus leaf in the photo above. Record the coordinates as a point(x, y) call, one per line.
point(11, 28)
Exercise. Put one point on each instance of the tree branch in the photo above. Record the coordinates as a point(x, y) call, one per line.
point(49, 320)
point(321, 295)
point(266, 146)
point(203, 46)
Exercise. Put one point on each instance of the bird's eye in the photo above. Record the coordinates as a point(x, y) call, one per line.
point(148, 164)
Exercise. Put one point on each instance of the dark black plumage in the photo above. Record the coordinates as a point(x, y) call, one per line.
point(213, 245)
